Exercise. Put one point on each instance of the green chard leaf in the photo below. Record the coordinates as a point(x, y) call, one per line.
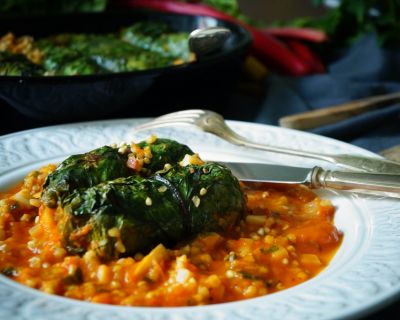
point(159, 205)
point(103, 164)
point(156, 209)
point(82, 171)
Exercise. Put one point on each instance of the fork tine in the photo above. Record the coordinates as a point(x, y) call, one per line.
point(162, 123)
point(179, 118)
point(190, 112)
point(184, 117)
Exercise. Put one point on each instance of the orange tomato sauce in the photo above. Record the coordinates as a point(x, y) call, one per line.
point(286, 238)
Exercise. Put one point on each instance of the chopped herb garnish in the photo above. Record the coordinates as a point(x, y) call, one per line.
point(75, 278)
point(248, 275)
point(9, 272)
point(276, 215)
point(231, 257)
point(271, 249)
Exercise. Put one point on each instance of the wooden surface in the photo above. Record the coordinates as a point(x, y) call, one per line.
point(316, 118)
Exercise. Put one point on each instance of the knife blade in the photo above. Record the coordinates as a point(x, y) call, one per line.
point(317, 177)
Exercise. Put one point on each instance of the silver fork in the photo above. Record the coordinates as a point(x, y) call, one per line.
point(212, 122)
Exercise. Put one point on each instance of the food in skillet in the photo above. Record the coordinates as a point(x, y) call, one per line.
point(141, 46)
point(18, 65)
point(151, 224)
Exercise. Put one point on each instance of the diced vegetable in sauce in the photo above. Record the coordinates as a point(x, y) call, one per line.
point(165, 229)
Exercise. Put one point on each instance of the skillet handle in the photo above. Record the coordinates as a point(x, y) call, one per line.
point(208, 40)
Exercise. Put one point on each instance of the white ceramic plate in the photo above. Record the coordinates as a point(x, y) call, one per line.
point(363, 276)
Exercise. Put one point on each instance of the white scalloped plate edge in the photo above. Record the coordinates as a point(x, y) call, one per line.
point(363, 276)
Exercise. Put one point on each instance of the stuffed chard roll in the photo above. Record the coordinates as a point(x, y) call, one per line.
point(109, 163)
point(133, 214)
point(158, 38)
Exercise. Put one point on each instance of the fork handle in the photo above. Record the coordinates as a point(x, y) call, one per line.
point(353, 162)
point(220, 129)
point(377, 184)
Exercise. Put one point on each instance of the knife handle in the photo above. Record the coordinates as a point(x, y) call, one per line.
point(370, 183)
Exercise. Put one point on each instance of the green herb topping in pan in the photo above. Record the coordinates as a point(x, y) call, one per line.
point(141, 46)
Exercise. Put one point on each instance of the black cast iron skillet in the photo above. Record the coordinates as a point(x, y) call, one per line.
point(76, 98)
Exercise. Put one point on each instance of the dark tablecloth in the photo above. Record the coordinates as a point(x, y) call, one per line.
point(363, 70)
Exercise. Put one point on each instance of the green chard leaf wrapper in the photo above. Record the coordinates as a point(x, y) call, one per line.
point(103, 164)
point(164, 208)
point(149, 207)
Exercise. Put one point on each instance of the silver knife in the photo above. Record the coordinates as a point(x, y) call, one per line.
point(316, 177)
